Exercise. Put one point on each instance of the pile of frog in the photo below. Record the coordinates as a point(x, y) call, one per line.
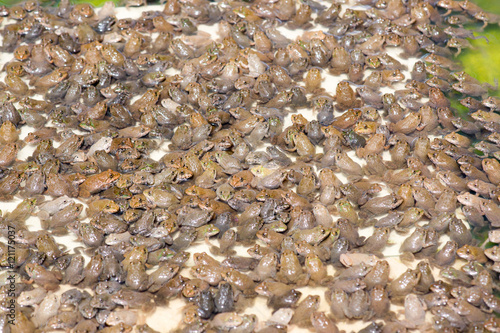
point(279, 200)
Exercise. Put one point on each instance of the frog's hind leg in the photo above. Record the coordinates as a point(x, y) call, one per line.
point(492, 87)
point(484, 37)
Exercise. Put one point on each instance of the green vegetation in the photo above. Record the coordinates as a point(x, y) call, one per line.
point(489, 5)
point(455, 104)
point(483, 61)
point(98, 3)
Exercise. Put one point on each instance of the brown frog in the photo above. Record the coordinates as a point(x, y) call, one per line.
point(291, 269)
point(404, 284)
point(98, 182)
point(40, 275)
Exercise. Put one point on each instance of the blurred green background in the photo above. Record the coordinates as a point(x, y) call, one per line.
point(484, 60)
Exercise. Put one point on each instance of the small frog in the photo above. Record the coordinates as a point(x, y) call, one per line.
point(446, 256)
point(379, 301)
point(291, 269)
point(316, 269)
point(415, 309)
point(32, 297)
point(137, 278)
point(313, 236)
point(472, 253)
point(322, 323)
point(464, 308)
point(459, 44)
point(493, 253)
point(392, 76)
point(241, 281)
point(404, 284)
point(49, 280)
point(98, 182)
point(304, 310)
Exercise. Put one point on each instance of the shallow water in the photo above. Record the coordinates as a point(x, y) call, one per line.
point(157, 320)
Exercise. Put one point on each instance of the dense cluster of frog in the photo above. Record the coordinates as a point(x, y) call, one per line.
point(235, 176)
